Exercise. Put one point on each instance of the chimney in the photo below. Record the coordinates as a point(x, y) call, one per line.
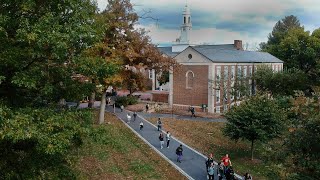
point(238, 44)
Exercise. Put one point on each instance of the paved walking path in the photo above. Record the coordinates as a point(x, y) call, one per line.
point(193, 162)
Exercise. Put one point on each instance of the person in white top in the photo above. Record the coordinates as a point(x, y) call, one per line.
point(168, 138)
point(141, 125)
point(128, 117)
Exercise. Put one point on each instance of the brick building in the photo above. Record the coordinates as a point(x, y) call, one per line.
point(214, 76)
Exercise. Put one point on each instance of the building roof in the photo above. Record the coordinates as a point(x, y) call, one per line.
point(227, 53)
point(168, 51)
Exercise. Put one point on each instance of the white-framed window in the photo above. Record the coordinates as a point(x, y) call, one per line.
point(225, 108)
point(150, 71)
point(233, 72)
point(225, 73)
point(250, 71)
point(244, 71)
point(218, 96)
point(218, 73)
point(189, 79)
point(239, 73)
point(218, 109)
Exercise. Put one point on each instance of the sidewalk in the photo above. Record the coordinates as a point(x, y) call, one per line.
point(193, 162)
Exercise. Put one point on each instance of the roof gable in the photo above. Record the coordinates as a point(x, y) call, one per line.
point(190, 55)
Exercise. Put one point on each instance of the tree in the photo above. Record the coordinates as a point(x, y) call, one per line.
point(164, 77)
point(40, 41)
point(296, 47)
point(280, 31)
point(281, 83)
point(303, 140)
point(256, 119)
point(127, 47)
point(282, 27)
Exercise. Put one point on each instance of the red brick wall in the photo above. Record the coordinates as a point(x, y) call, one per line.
point(157, 97)
point(196, 95)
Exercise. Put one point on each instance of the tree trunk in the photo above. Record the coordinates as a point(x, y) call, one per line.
point(252, 150)
point(92, 100)
point(102, 107)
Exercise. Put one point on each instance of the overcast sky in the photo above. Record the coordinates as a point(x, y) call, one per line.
point(222, 21)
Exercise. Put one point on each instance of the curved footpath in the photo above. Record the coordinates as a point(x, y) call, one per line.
point(193, 162)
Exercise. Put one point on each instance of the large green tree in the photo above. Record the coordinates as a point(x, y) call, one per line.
point(256, 119)
point(279, 31)
point(298, 48)
point(39, 42)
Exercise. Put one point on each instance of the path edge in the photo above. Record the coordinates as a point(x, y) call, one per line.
point(155, 149)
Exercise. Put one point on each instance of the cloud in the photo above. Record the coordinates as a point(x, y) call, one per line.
point(222, 21)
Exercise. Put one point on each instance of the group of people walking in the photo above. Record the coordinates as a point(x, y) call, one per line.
point(224, 168)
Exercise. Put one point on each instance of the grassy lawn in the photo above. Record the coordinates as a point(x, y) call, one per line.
point(112, 151)
point(207, 138)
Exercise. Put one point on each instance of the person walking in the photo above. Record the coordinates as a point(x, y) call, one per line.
point(247, 176)
point(168, 138)
point(210, 170)
point(134, 116)
point(128, 118)
point(161, 138)
point(121, 107)
point(220, 171)
point(147, 107)
point(226, 162)
point(209, 161)
point(159, 124)
point(179, 151)
point(192, 111)
point(230, 173)
point(141, 126)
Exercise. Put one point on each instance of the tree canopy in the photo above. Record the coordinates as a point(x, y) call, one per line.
point(40, 41)
point(256, 119)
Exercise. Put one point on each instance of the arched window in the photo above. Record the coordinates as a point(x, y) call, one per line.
point(189, 79)
point(184, 20)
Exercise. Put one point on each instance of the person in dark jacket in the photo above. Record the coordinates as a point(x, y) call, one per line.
point(134, 116)
point(209, 161)
point(230, 173)
point(159, 124)
point(220, 171)
point(247, 176)
point(179, 153)
point(161, 138)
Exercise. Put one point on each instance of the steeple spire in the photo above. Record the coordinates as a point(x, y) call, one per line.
point(186, 26)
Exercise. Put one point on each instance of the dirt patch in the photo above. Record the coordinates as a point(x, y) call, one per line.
point(89, 164)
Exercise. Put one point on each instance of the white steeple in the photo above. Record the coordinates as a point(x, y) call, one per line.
point(186, 26)
point(184, 40)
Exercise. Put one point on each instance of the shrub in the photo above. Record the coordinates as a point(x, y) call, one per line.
point(126, 100)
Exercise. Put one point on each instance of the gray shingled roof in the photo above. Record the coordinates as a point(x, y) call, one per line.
point(233, 55)
point(168, 51)
point(227, 53)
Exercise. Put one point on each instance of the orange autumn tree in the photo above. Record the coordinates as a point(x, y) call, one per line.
point(127, 47)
